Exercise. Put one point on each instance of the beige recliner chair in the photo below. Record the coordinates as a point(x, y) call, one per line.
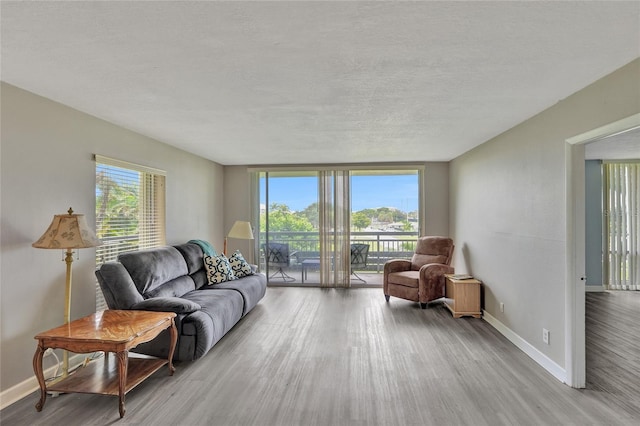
point(420, 279)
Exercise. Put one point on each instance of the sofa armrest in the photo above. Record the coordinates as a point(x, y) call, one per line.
point(167, 304)
point(118, 288)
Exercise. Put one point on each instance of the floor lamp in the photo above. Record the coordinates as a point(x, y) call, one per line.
point(240, 230)
point(67, 231)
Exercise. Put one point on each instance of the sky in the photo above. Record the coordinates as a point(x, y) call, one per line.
point(399, 191)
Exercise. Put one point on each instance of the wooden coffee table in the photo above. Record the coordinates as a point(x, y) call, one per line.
point(106, 331)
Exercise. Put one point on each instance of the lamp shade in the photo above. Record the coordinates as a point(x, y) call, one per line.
point(241, 230)
point(68, 231)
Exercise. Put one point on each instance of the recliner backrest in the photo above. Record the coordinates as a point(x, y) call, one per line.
point(432, 250)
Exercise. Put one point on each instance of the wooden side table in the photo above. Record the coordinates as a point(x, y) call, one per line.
point(106, 331)
point(462, 297)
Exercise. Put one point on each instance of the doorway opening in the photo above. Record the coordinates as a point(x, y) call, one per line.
point(575, 344)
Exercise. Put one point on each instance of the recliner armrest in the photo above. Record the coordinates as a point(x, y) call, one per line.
point(397, 265)
point(435, 269)
point(167, 304)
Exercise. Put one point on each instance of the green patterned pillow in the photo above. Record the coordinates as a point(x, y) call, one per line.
point(239, 266)
point(218, 269)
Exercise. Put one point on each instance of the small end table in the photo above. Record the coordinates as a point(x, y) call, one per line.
point(106, 331)
point(462, 296)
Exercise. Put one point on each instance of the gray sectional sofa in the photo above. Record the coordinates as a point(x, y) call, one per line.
point(174, 279)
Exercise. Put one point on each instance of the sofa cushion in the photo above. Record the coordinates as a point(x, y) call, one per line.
point(218, 269)
point(223, 307)
point(151, 268)
point(200, 278)
point(252, 288)
point(239, 266)
point(192, 254)
point(174, 288)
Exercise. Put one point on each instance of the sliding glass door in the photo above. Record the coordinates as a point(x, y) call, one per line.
point(385, 216)
point(289, 226)
point(336, 227)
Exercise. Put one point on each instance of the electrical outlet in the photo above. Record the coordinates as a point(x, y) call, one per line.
point(545, 336)
point(501, 307)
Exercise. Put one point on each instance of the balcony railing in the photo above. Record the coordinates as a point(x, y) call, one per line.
point(383, 246)
point(304, 245)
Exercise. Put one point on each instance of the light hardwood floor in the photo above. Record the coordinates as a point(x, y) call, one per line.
point(310, 356)
point(613, 347)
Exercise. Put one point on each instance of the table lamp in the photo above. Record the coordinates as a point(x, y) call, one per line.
point(67, 231)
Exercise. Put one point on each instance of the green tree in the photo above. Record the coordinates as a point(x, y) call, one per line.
point(360, 220)
point(385, 216)
point(370, 213)
point(311, 213)
point(407, 226)
point(281, 218)
point(115, 205)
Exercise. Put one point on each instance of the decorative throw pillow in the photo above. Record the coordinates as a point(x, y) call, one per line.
point(239, 266)
point(218, 269)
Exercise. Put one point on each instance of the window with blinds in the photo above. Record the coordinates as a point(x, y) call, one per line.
point(622, 224)
point(130, 210)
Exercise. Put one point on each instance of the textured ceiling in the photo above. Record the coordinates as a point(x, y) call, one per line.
point(623, 146)
point(315, 82)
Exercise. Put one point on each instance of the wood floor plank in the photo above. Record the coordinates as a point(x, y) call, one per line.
point(311, 356)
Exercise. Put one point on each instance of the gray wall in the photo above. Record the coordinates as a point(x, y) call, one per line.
point(237, 206)
point(508, 209)
point(593, 222)
point(436, 215)
point(47, 167)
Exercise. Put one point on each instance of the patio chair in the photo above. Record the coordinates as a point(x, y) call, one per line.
point(359, 256)
point(277, 255)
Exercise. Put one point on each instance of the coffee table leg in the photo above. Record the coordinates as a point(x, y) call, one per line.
point(37, 368)
point(174, 339)
point(123, 363)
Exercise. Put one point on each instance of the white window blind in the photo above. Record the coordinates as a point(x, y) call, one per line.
point(622, 207)
point(130, 210)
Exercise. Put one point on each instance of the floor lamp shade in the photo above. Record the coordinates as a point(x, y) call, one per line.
point(240, 230)
point(67, 231)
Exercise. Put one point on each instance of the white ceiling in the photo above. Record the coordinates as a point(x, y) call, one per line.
point(623, 146)
point(315, 82)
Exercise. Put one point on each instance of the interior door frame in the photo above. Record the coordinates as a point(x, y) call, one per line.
point(575, 342)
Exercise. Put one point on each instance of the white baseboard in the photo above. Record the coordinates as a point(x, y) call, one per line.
point(26, 387)
point(545, 362)
point(594, 288)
